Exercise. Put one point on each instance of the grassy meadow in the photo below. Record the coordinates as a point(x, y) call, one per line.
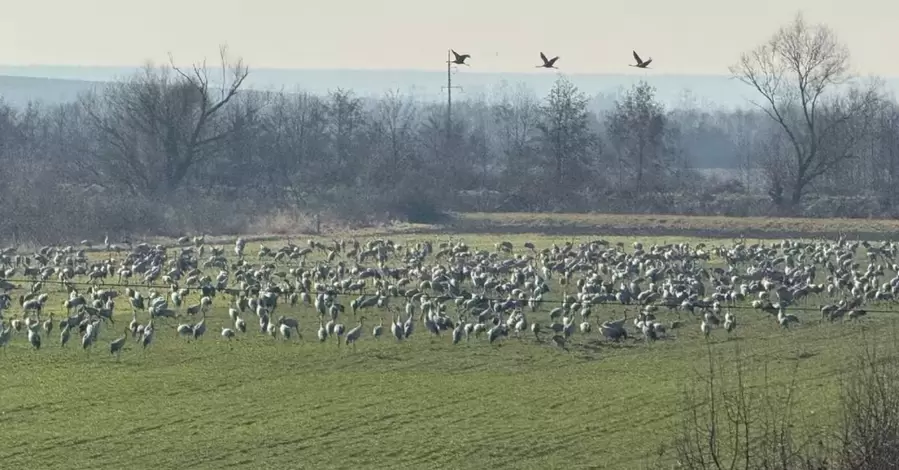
point(263, 402)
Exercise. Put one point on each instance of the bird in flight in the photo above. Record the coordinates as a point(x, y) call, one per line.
point(460, 58)
point(640, 63)
point(548, 64)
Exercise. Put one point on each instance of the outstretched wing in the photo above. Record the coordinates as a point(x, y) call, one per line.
point(543, 57)
point(455, 54)
point(647, 62)
point(637, 57)
point(553, 61)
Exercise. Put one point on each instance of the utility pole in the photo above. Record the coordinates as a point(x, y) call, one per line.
point(449, 95)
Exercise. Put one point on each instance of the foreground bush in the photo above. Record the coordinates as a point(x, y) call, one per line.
point(728, 424)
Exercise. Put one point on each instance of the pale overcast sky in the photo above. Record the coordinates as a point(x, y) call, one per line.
point(683, 36)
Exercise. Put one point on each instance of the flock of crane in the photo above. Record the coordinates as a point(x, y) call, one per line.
point(446, 286)
point(459, 59)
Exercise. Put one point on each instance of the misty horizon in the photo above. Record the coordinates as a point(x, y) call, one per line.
point(708, 90)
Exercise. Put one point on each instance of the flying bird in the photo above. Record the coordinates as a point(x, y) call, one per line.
point(640, 63)
point(460, 58)
point(548, 64)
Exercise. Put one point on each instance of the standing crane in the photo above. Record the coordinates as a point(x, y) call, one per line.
point(322, 331)
point(34, 338)
point(5, 335)
point(354, 334)
point(378, 329)
point(115, 347)
point(339, 329)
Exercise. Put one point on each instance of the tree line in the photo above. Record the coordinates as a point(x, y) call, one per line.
point(174, 149)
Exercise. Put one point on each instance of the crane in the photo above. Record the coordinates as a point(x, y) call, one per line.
point(640, 63)
point(459, 58)
point(548, 63)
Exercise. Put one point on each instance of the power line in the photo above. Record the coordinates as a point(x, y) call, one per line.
point(449, 96)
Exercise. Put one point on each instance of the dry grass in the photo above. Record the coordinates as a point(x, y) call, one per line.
point(283, 225)
point(574, 225)
point(649, 224)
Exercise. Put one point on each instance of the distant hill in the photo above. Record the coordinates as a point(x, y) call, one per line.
point(18, 91)
point(18, 84)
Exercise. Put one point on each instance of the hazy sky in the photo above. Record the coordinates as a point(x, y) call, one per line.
point(684, 36)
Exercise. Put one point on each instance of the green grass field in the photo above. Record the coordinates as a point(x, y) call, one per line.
point(261, 402)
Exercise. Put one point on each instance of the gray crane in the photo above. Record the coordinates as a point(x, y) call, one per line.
point(548, 63)
point(353, 335)
point(640, 63)
point(116, 346)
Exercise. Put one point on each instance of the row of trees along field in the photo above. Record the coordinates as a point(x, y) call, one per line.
point(190, 149)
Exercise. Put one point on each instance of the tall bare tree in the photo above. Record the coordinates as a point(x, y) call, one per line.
point(798, 73)
point(516, 114)
point(293, 141)
point(394, 119)
point(636, 131)
point(153, 129)
point(567, 140)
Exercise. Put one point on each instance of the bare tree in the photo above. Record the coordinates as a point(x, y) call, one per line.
point(155, 127)
point(869, 429)
point(878, 171)
point(345, 123)
point(478, 150)
point(516, 114)
point(566, 135)
point(293, 140)
point(797, 73)
point(636, 131)
point(394, 121)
